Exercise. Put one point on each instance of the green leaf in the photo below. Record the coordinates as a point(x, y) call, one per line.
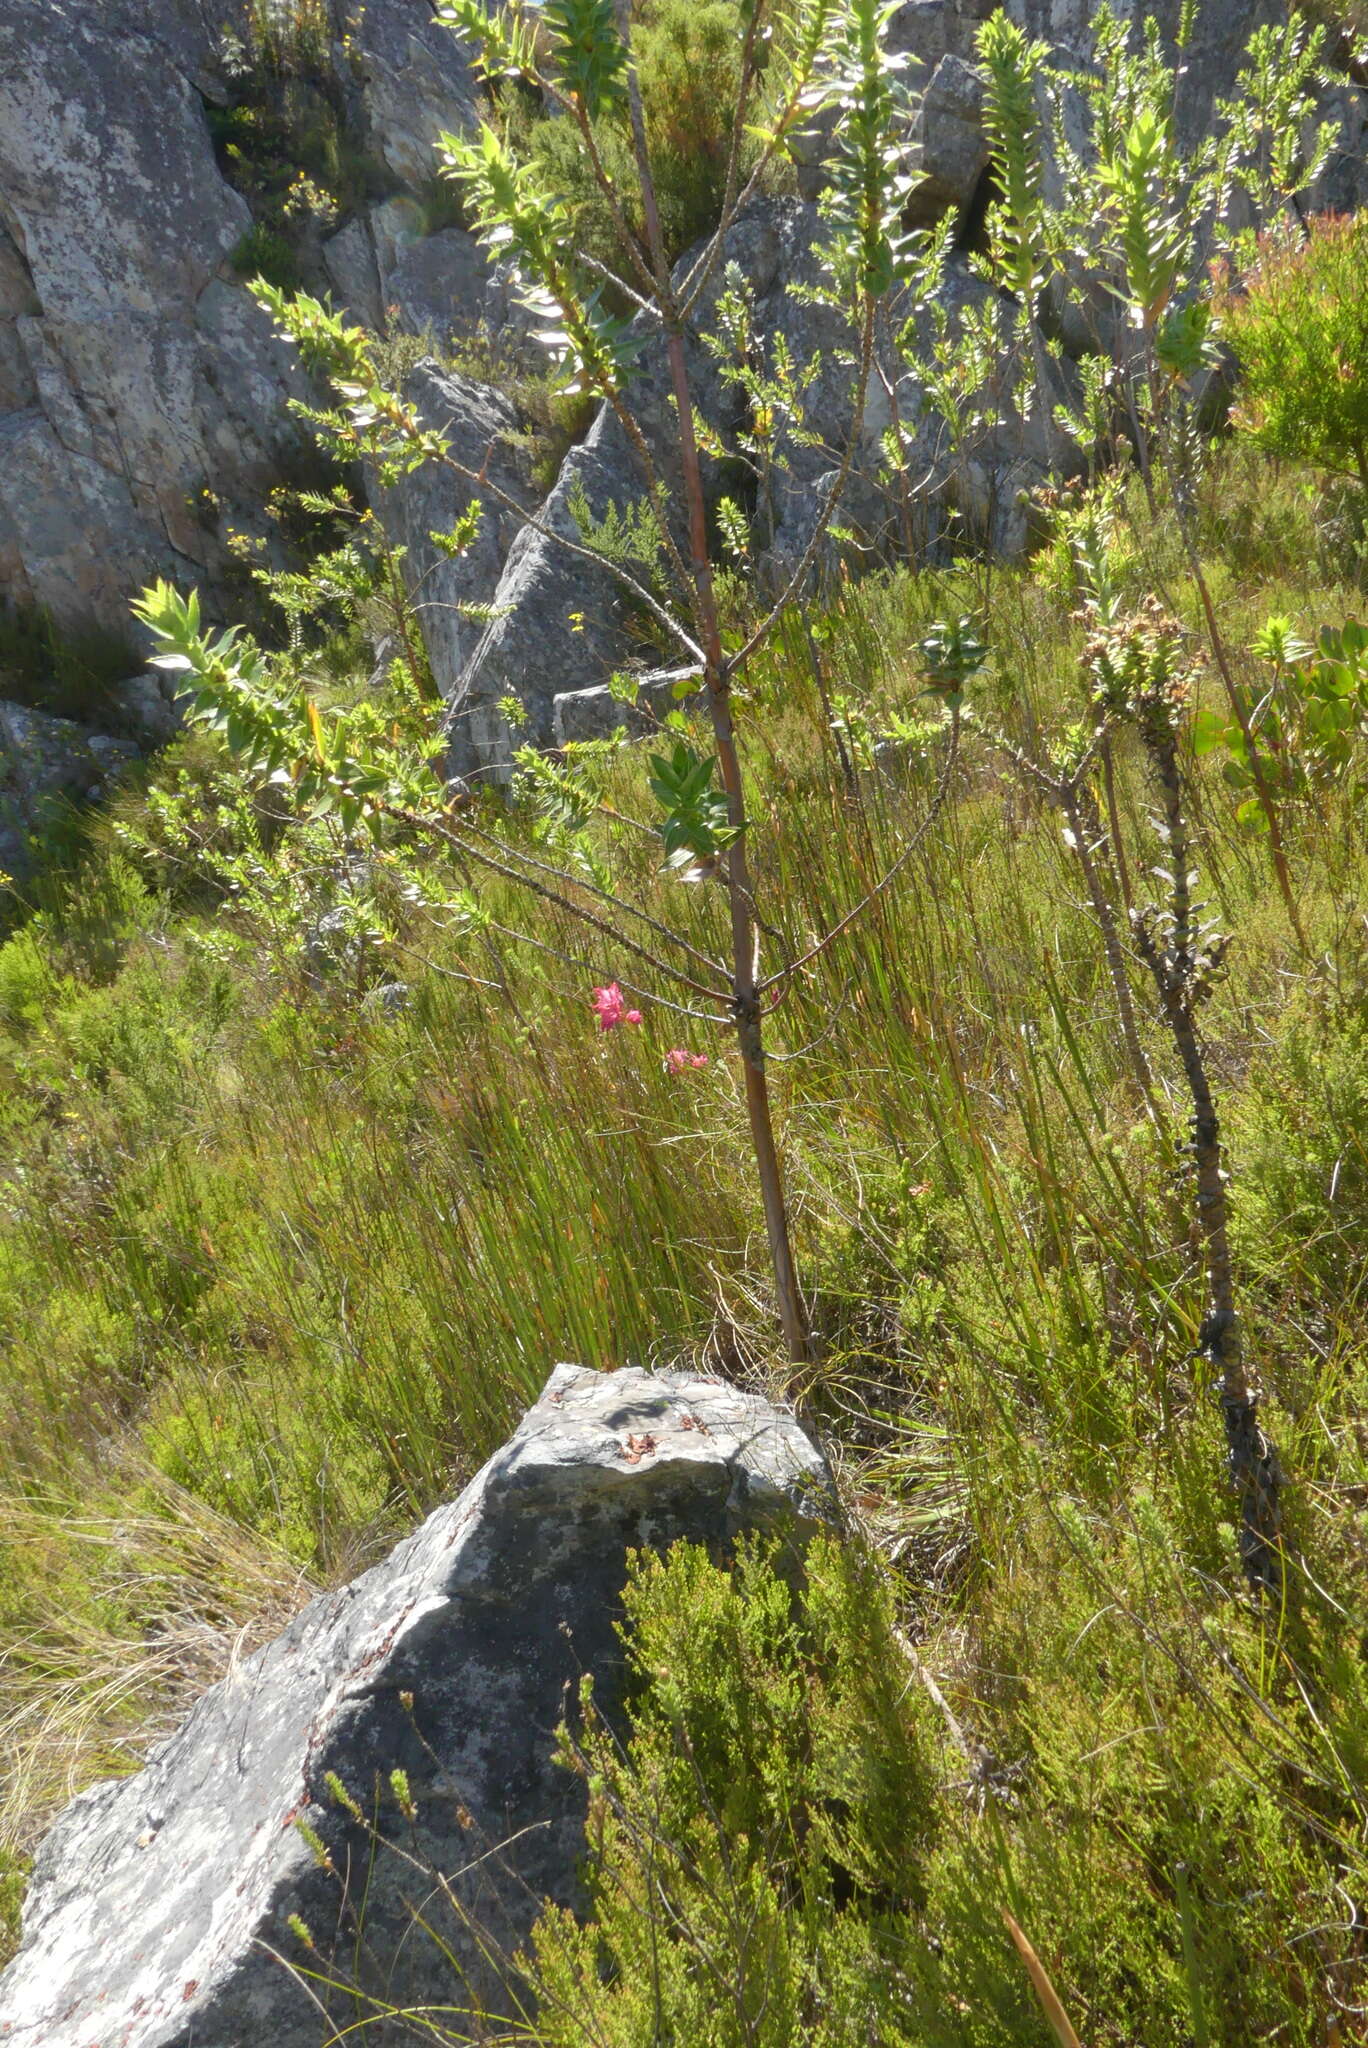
point(1182, 344)
point(1210, 732)
point(590, 60)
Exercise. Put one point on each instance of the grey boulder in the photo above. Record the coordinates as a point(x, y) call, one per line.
point(417, 81)
point(560, 619)
point(581, 715)
point(162, 1905)
point(479, 426)
point(950, 147)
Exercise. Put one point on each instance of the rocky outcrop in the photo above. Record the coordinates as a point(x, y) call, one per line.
point(142, 395)
point(559, 621)
point(480, 427)
point(443, 285)
point(416, 82)
point(144, 400)
point(163, 1908)
point(141, 376)
point(562, 624)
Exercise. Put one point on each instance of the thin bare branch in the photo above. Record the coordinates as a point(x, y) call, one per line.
point(571, 881)
point(833, 499)
point(886, 880)
point(418, 823)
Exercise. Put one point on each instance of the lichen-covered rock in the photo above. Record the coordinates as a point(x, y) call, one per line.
point(417, 82)
point(358, 289)
point(479, 425)
point(443, 285)
point(160, 1905)
point(140, 377)
point(143, 396)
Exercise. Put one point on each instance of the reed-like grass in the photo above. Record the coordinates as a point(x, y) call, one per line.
point(279, 1266)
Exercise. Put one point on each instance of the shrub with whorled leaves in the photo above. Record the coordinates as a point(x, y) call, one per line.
point(688, 56)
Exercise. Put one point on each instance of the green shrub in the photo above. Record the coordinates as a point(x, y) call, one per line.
point(756, 1845)
point(289, 38)
point(688, 59)
point(290, 137)
point(1300, 332)
point(263, 251)
point(293, 1254)
point(13, 1877)
point(782, 1851)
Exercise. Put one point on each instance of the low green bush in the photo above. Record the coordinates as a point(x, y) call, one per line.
point(289, 136)
point(288, 1254)
point(800, 1841)
point(758, 1844)
point(263, 251)
point(1299, 331)
point(688, 57)
point(13, 1877)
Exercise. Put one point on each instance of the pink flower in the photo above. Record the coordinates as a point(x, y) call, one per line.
point(611, 1009)
point(678, 1061)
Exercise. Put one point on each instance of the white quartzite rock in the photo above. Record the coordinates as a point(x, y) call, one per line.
point(157, 1900)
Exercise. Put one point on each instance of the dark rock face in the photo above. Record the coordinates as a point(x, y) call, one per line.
point(45, 762)
point(950, 149)
point(135, 371)
point(160, 1905)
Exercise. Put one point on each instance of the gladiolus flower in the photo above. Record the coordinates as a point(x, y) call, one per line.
point(678, 1061)
point(611, 1008)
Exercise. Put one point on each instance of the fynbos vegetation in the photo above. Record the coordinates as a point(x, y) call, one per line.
point(983, 939)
